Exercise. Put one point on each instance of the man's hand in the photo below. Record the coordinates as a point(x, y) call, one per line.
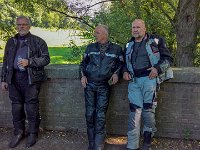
point(154, 73)
point(114, 78)
point(23, 62)
point(126, 76)
point(4, 86)
point(84, 81)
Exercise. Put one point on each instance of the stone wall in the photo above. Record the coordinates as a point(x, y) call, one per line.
point(62, 104)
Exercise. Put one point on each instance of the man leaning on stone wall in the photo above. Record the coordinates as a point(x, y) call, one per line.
point(99, 69)
point(148, 62)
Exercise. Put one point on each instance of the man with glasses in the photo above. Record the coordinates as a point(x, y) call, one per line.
point(22, 73)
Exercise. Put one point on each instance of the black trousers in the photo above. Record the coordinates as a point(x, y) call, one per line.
point(25, 103)
point(96, 103)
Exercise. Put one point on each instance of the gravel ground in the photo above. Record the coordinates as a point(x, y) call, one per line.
point(71, 140)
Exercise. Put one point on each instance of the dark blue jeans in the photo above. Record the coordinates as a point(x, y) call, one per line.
point(25, 103)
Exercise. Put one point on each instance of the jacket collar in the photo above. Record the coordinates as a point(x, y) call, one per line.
point(17, 36)
point(147, 34)
point(98, 45)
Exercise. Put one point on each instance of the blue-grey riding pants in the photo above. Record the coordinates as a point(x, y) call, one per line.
point(141, 95)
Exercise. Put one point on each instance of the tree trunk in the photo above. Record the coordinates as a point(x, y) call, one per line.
point(186, 32)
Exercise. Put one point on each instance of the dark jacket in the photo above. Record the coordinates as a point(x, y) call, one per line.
point(158, 47)
point(97, 69)
point(38, 57)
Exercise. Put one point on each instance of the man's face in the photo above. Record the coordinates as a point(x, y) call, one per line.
point(22, 26)
point(138, 29)
point(100, 35)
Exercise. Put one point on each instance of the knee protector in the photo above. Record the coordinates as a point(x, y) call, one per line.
point(133, 107)
point(147, 106)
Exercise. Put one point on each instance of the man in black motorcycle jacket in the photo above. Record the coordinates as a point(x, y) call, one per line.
point(22, 73)
point(100, 68)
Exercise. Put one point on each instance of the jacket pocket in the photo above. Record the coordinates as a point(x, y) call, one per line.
point(154, 49)
point(38, 75)
point(38, 71)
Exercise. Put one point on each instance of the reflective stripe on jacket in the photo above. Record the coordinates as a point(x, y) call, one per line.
point(159, 57)
point(98, 69)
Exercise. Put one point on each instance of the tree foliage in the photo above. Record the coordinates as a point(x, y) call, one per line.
point(176, 20)
point(6, 19)
point(41, 14)
point(121, 15)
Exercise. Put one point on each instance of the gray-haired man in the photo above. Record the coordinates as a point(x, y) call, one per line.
point(100, 67)
point(22, 73)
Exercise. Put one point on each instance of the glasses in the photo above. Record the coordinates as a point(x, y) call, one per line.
point(22, 24)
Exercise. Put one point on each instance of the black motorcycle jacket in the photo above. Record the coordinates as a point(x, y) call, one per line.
point(98, 69)
point(38, 57)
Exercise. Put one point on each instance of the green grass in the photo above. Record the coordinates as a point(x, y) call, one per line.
point(62, 55)
point(65, 55)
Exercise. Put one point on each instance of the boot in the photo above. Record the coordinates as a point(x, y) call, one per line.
point(99, 142)
point(90, 133)
point(91, 146)
point(99, 148)
point(147, 141)
point(16, 139)
point(31, 140)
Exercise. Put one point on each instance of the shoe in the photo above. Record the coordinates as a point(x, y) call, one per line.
point(15, 140)
point(91, 146)
point(31, 140)
point(99, 148)
point(132, 149)
point(147, 141)
point(99, 142)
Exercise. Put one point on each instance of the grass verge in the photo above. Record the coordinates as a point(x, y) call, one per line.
point(62, 55)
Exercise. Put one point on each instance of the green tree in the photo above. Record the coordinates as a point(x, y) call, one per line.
point(40, 13)
point(6, 20)
point(187, 25)
point(178, 21)
point(120, 16)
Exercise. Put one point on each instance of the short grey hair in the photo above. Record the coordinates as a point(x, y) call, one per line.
point(105, 27)
point(24, 17)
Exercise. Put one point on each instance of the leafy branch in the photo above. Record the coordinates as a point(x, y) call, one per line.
point(158, 4)
point(70, 16)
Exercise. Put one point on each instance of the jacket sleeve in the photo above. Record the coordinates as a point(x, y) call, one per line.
point(4, 67)
point(120, 61)
point(83, 64)
point(124, 67)
point(166, 59)
point(43, 58)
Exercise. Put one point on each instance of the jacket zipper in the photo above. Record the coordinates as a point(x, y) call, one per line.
point(29, 78)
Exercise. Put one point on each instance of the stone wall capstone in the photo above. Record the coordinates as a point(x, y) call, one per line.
point(62, 104)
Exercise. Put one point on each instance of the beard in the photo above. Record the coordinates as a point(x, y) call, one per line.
point(136, 35)
point(23, 32)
